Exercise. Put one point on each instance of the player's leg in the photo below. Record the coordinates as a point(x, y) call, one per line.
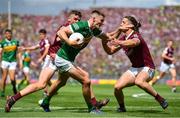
point(142, 81)
point(83, 78)
point(3, 81)
point(12, 72)
point(46, 88)
point(26, 77)
point(46, 63)
point(94, 101)
point(60, 82)
point(13, 80)
point(127, 79)
point(163, 69)
point(155, 79)
point(173, 74)
point(76, 73)
point(44, 77)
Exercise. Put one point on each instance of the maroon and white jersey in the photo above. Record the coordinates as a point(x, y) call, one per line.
point(168, 51)
point(56, 44)
point(139, 55)
point(43, 44)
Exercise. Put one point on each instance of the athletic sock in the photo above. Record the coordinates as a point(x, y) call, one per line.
point(122, 105)
point(90, 107)
point(17, 96)
point(159, 98)
point(93, 101)
point(14, 86)
point(46, 100)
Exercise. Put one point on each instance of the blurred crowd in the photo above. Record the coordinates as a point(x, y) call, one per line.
point(158, 25)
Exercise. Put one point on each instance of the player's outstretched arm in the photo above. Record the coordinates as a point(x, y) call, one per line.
point(32, 47)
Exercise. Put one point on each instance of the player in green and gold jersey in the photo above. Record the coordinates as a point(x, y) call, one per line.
point(8, 51)
point(25, 63)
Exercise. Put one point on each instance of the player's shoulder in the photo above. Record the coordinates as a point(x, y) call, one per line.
point(136, 35)
point(79, 25)
point(3, 41)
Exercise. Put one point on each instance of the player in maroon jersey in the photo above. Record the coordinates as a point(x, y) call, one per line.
point(168, 61)
point(43, 45)
point(136, 49)
point(46, 75)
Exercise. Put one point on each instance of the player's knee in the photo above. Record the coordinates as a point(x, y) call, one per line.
point(117, 87)
point(87, 82)
point(86, 75)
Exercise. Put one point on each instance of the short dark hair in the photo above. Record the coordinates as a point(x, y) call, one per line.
point(42, 31)
point(76, 12)
point(8, 30)
point(95, 11)
point(98, 13)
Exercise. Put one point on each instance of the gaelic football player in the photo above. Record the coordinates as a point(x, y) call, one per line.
point(136, 49)
point(167, 64)
point(8, 52)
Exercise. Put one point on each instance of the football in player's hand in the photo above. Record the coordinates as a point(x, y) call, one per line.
point(77, 37)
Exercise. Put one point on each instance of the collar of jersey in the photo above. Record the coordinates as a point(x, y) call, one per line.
point(7, 40)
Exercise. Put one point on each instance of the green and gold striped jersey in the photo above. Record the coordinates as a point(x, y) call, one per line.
point(9, 49)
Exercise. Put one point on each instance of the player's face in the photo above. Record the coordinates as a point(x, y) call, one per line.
point(8, 35)
point(125, 24)
point(73, 18)
point(98, 21)
point(42, 36)
point(170, 43)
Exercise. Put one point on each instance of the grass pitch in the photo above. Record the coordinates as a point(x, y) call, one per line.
point(69, 102)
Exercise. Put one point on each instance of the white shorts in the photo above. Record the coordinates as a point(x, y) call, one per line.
point(26, 69)
point(136, 71)
point(48, 62)
point(63, 65)
point(165, 67)
point(8, 65)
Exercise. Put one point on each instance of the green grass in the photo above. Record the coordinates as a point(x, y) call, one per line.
point(69, 103)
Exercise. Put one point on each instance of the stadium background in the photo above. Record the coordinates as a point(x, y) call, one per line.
point(158, 25)
point(160, 21)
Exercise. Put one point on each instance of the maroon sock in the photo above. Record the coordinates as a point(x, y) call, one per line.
point(17, 96)
point(159, 98)
point(93, 101)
